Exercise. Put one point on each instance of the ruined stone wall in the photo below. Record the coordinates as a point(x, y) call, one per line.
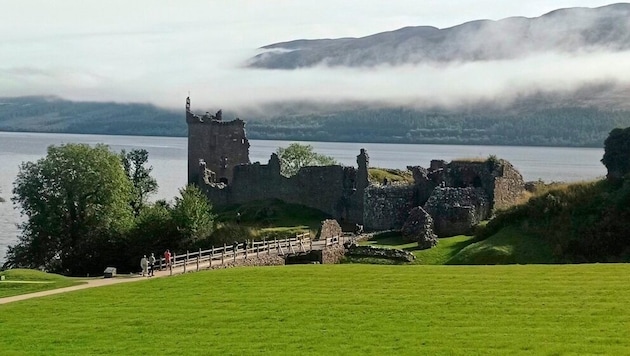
point(333, 254)
point(508, 187)
point(387, 207)
point(262, 260)
point(463, 174)
point(331, 189)
point(220, 144)
point(388, 253)
point(329, 228)
point(456, 211)
point(498, 178)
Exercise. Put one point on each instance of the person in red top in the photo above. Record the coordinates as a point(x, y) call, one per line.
point(167, 258)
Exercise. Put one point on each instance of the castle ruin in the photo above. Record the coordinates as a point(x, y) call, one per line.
point(216, 145)
point(458, 195)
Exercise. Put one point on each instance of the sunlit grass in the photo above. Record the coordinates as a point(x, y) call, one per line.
point(336, 310)
point(40, 281)
point(392, 175)
point(508, 246)
point(440, 254)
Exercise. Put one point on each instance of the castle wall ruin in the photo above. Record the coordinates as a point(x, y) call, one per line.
point(335, 190)
point(459, 194)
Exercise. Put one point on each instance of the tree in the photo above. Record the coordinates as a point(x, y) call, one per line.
point(192, 215)
point(134, 164)
point(76, 204)
point(296, 156)
point(617, 153)
point(154, 231)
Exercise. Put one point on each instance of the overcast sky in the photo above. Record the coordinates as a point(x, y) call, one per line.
point(157, 50)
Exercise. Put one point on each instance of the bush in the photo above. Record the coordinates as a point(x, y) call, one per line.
point(585, 222)
point(227, 233)
point(617, 153)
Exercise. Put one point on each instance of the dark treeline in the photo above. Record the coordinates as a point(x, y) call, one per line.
point(543, 125)
point(546, 127)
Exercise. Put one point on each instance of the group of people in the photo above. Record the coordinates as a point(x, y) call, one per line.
point(148, 264)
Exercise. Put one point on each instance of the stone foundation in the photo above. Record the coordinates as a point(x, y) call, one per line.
point(266, 260)
point(370, 251)
point(333, 254)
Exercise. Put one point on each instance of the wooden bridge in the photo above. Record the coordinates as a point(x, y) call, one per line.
point(220, 256)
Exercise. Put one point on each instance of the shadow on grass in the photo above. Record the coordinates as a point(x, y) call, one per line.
point(446, 248)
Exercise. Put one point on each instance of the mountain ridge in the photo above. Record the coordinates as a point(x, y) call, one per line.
point(564, 30)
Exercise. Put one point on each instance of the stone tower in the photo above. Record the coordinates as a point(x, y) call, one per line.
point(214, 144)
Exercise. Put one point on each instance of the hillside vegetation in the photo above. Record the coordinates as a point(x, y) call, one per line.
point(336, 310)
point(562, 223)
point(585, 222)
point(542, 119)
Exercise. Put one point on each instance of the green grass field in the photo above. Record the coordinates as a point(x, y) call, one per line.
point(22, 281)
point(336, 310)
point(441, 254)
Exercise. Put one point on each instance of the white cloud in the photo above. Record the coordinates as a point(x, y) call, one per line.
point(156, 51)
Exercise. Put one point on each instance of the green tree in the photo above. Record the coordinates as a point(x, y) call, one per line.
point(296, 156)
point(192, 216)
point(76, 204)
point(617, 153)
point(135, 166)
point(154, 231)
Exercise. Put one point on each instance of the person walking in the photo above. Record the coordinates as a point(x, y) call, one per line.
point(152, 264)
point(144, 264)
point(167, 258)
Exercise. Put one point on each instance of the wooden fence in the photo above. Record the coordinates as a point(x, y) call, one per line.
point(301, 243)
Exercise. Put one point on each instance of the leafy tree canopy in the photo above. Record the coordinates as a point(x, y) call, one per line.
point(135, 166)
point(76, 201)
point(296, 156)
point(192, 215)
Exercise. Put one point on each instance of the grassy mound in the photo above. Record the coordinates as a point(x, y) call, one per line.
point(392, 175)
point(585, 222)
point(336, 310)
point(438, 255)
point(508, 246)
point(22, 281)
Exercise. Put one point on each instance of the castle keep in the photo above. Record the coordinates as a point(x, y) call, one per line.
point(457, 195)
point(215, 144)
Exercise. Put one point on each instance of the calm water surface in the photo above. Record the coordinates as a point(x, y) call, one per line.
point(168, 157)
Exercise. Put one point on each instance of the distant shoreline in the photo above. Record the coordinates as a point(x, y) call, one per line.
point(265, 138)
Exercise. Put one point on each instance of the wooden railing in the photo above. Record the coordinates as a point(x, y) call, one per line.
point(301, 243)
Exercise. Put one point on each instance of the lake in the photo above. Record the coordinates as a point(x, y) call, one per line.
point(168, 157)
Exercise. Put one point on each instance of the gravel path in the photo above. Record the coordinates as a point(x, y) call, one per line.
point(90, 283)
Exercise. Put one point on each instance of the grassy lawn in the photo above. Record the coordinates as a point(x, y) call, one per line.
point(438, 255)
point(336, 310)
point(510, 245)
point(34, 281)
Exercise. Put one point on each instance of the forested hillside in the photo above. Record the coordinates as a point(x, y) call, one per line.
point(546, 127)
point(51, 114)
point(523, 123)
